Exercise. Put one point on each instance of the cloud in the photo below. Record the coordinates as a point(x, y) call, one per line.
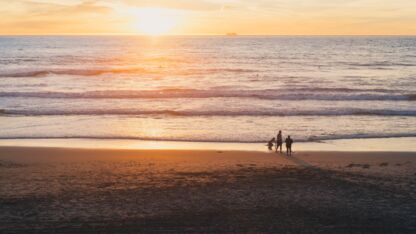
point(193, 5)
point(46, 17)
point(84, 7)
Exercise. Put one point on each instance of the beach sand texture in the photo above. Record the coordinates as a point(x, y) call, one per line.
point(128, 191)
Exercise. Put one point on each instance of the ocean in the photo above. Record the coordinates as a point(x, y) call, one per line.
point(207, 88)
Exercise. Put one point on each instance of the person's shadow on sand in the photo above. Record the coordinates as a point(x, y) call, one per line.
point(300, 162)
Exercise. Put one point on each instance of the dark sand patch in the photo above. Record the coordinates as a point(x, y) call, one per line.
point(364, 166)
point(101, 191)
point(10, 164)
point(288, 199)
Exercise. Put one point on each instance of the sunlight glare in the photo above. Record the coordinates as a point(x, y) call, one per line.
point(155, 21)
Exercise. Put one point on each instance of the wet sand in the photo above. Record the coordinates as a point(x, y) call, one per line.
point(56, 190)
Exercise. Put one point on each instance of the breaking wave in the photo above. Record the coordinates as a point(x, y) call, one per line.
point(97, 72)
point(191, 113)
point(207, 139)
point(271, 94)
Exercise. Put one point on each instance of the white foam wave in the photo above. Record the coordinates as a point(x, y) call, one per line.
point(135, 70)
point(190, 113)
point(184, 139)
point(272, 94)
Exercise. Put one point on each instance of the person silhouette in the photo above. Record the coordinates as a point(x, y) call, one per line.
point(289, 142)
point(270, 143)
point(279, 141)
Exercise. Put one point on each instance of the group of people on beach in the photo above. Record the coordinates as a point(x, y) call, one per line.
point(279, 143)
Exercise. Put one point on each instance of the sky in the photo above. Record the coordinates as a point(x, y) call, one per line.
point(207, 17)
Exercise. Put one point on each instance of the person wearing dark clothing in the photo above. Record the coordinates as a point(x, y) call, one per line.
point(270, 143)
point(279, 141)
point(289, 143)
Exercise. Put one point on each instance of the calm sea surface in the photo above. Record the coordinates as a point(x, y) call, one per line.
point(221, 89)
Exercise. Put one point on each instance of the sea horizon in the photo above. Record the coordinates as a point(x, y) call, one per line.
point(214, 35)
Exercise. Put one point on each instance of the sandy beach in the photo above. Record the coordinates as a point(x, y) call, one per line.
point(58, 190)
point(123, 116)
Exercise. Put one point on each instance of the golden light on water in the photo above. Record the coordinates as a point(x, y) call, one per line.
point(155, 21)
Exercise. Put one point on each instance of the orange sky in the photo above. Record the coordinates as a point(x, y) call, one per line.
point(266, 17)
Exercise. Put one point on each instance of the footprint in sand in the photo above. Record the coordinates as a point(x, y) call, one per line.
point(364, 166)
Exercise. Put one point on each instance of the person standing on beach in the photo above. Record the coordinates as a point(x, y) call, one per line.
point(279, 141)
point(289, 143)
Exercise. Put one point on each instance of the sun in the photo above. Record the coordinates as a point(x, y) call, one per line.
point(155, 21)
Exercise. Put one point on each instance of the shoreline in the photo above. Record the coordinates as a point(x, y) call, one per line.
point(402, 144)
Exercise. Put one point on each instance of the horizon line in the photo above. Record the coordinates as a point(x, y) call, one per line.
point(225, 34)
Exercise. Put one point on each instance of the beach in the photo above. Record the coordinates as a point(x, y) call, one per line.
point(73, 190)
point(139, 134)
point(165, 116)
